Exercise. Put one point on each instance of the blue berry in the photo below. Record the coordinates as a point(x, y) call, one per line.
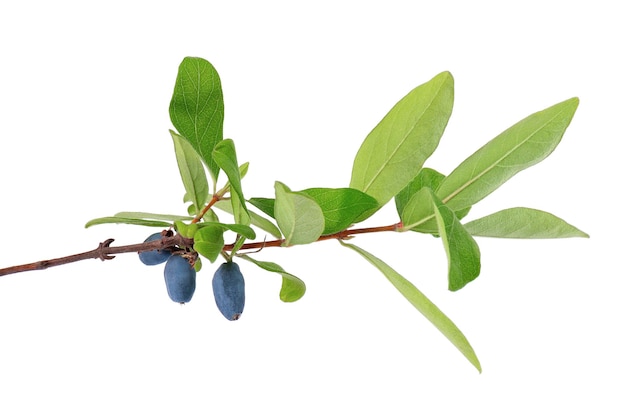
point(229, 290)
point(154, 257)
point(180, 279)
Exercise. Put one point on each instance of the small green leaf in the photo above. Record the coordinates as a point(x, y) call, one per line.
point(255, 219)
point(124, 220)
point(240, 229)
point(519, 147)
point(226, 158)
point(523, 223)
point(209, 241)
point(395, 150)
point(342, 206)
point(191, 172)
point(186, 230)
point(266, 205)
point(292, 289)
point(423, 305)
point(427, 177)
point(462, 250)
point(197, 108)
point(299, 217)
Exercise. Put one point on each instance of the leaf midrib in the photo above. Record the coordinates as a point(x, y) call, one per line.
point(403, 140)
point(493, 165)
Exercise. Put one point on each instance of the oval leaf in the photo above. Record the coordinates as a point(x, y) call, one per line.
point(342, 206)
point(461, 249)
point(209, 241)
point(523, 223)
point(395, 150)
point(423, 305)
point(519, 147)
point(299, 217)
point(197, 108)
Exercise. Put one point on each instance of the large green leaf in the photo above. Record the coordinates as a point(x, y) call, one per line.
point(197, 108)
point(191, 172)
point(519, 147)
point(462, 250)
point(226, 158)
point(292, 288)
point(423, 305)
point(342, 206)
point(299, 217)
point(523, 223)
point(395, 150)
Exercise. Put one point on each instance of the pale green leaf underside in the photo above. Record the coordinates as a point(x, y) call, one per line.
point(519, 147)
point(126, 220)
point(197, 108)
point(152, 216)
point(423, 305)
point(523, 223)
point(292, 288)
point(191, 172)
point(299, 217)
point(395, 150)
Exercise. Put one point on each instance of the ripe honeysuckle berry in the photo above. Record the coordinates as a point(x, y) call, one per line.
point(229, 290)
point(180, 279)
point(154, 257)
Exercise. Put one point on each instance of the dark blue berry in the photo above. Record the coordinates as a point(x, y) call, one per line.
point(180, 279)
point(229, 290)
point(154, 257)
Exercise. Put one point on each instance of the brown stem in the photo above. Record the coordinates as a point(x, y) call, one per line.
point(206, 208)
point(104, 251)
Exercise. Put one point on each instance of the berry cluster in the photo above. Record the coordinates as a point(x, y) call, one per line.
point(180, 280)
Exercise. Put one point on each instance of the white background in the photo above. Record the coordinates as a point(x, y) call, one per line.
point(84, 96)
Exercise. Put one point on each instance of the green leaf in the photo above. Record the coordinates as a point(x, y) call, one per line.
point(427, 177)
point(124, 220)
point(341, 206)
point(395, 150)
point(462, 250)
point(292, 289)
point(266, 205)
point(209, 241)
point(255, 219)
point(240, 229)
point(197, 108)
point(191, 172)
point(299, 217)
point(226, 158)
point(423, 305)
point(153, 216)
point(519, 147)
point(523, 223)
point(186, 230)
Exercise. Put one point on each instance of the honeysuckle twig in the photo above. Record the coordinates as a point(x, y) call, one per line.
point(105, 251)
